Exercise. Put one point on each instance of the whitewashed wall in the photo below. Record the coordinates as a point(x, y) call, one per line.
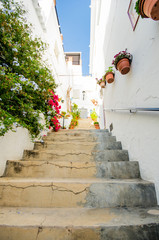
point(138, 132)
point(79, 84)
point(12, 146)
point(42, 15)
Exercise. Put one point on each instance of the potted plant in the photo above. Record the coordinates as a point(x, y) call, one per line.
point(96, 124)
point(94, 115)
point(148, 8)
point(71, 127)
point(101, 82)
point(109, 75)
point(122, 61)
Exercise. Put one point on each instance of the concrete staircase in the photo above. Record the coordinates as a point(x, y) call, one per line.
point(77, 185)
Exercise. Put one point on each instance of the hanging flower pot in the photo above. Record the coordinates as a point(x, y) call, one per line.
point(123, 66)
point(122, 62)
point(148, 9)
point(102, 84)
point(109, 76)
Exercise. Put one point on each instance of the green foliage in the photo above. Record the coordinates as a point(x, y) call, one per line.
point(96, 123)
point(74, 107)
point(137, 6)
point(93, 115)
point(74, 122)
point(75, 115)
point(75, 111)
point(63, 113)
point(110, 69)
point(25, 79)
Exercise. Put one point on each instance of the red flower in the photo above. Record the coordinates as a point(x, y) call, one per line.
point(51, 102)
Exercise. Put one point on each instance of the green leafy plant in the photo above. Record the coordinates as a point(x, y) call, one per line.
point(137, 7)
point(74, 122)
point(25, 79)
point(94, 115)
point(63, 113)
point(110, 69)
point(96, 123)
point(75, 111)
point(75, 115)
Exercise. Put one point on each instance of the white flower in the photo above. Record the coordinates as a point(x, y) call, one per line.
point(15, 124)
point(5, 65)
point(35, 86)
point(14, 50)
point(2, 126)
point(22, 78)
point(15, 63)
point(17, 87)
point(0, 99)
point(24, 113)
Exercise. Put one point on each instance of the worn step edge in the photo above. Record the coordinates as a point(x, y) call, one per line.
point(80, 130)
point(76, 139)
point(77, 217)
point(84, 224)
point(76, 169)
point(96, 193)
point(106, 155)
point(89, 138)
point(75, 146)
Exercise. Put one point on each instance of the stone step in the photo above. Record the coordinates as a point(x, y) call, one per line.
point(96, 193)
point(77, 133)
point(107, 155)
point(81, 224)
point(78, 137)
point(76, 169)
point(83, 147)
point(90, 131)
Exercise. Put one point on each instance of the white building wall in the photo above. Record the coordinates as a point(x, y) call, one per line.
point(138, 132)
point(12, 146)
point(42, 14)
point(80, 84)
point(45, 25)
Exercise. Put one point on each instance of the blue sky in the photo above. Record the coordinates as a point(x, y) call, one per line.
point(74, 18)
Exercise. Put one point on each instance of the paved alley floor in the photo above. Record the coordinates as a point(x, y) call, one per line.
point(85, 123)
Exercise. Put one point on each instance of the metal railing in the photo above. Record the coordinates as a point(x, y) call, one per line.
point(132, 110)
point(63, 122)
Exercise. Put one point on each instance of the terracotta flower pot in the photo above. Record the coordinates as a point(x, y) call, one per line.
point(123, 66)
point(102, 84)
point(109, 77)
point(141, 5)
point(149, 9)
point(96, 126)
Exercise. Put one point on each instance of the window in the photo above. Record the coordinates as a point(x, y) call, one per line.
point(75, 58)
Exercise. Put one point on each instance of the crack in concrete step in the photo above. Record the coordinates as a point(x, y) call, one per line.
point(100, 169)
